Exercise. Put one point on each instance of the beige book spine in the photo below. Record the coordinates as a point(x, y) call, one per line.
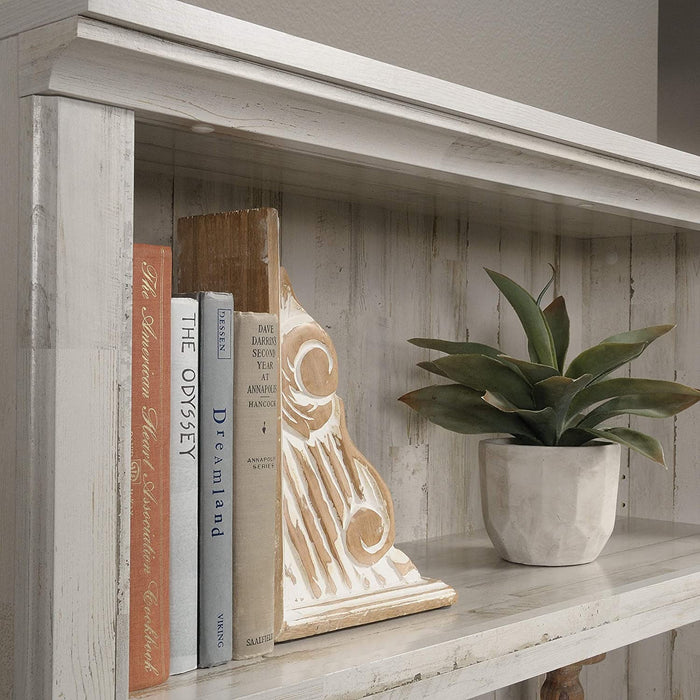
point(255, 468)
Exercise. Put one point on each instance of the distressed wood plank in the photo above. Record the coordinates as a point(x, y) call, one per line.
point(153, 207)
point(685, 659)
point(367, 365)
point(510, 622)
point(438, 142)
point(368, 250)
point(450, 476)
point(606, 680)
point(9, 242)
point(515, 263)
point(407, 281)
point(269, 47)
point(74, 267)
point(687, 371)
point(684, 641)
point(606, 311)
point(651, 489)
point(653, 302)
point(572, 264)
point(650, 668)
point(482, 310)
point(246, 264)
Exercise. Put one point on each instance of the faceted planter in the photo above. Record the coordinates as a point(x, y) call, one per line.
point(548, 506)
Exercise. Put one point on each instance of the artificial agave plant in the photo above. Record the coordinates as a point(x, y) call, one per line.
point(543, 401)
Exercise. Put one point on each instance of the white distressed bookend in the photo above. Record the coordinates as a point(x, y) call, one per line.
point(340, 566)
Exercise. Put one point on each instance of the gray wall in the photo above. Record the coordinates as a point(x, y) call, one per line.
point(679, 74)
point(594, 60)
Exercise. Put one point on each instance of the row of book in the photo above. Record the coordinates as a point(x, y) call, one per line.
point(204, 472)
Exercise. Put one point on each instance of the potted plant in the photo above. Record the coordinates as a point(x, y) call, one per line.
point(549, 490)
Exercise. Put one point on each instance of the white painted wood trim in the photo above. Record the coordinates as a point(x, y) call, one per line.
point(9, 216)
point(73, 442)
point(261, 45)
point(353, 122)
point(510, 622)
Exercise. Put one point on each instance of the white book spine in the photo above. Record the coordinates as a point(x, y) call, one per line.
point(184, 470)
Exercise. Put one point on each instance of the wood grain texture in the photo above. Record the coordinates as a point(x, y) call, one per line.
point(340, 565)
point(653, 302)
point(606, 311)
point(563, 684)
point(74, 267)
point(407, 138)
point(607, 679)
point(197, 27)
point(684, 641)
point(238, 251)
point(651, 490)
point(9, 243)
point(594, 276)
point(168, 149)
point(510, 622)
point(258, 103)
point(686, 484)
point(685, 660)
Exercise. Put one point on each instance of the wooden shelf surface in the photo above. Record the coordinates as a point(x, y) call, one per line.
point(511, 622)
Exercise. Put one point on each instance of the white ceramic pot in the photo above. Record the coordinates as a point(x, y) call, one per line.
point(548, 506)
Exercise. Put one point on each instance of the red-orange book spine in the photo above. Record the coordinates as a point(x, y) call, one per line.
point(149, 632)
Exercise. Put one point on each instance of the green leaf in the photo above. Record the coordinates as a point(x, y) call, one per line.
point(462, 410)
point(615, 351)
point(573, 437)
point(641, 335)
point(487, 374)
point(558, 321)
point(604, 358)
point(432, 367)
point(628, 386)
point(531, 317)
point(541, 422)
point(558, 393)
point(659, 405)
point(532, 371)
point(540, 296)
point(639, 442)
point(455, 348)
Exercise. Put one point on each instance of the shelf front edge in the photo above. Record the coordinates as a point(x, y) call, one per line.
point(179, 86)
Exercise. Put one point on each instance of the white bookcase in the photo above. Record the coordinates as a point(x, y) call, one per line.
point(395, 189)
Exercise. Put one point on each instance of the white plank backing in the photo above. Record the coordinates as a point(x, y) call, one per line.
point(685, 642)
point(350, 272)
point(74, 272)
point(651, 488)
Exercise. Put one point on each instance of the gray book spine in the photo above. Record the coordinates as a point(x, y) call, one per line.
point(255, 477)
point(184, 482)
point(215, 478)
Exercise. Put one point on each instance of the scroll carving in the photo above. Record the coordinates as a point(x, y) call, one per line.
point(340, 566)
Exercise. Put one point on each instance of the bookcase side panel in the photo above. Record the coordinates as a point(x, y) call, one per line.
point(9, 196)
point(74, 289)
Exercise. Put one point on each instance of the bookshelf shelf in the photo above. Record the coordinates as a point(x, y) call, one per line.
point(510, 622)
point(119, 116)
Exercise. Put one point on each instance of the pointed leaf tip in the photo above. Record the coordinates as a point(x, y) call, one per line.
point(531, 317)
